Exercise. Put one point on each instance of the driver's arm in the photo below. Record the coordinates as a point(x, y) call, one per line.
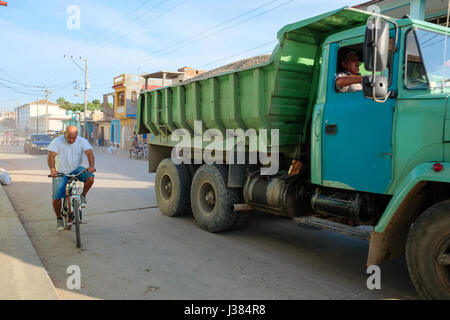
point(51, 163)
point(348, 80)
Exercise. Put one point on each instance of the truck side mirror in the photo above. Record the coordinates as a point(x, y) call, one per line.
point(376, 45)
point(376, 56)
point(377, 88)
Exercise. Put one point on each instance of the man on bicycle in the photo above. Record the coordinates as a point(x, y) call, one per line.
point(65, 155)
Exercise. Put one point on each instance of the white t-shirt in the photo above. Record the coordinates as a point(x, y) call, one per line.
point(70, 156)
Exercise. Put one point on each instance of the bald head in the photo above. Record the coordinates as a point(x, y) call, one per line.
point(71, 134)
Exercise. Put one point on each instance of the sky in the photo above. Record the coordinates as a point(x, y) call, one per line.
point(133, 36)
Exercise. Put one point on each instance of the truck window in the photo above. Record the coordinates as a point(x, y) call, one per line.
point(351, 52)
point(416, 77)
point(425, 65)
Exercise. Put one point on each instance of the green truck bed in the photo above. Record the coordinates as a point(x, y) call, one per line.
point(279, 94)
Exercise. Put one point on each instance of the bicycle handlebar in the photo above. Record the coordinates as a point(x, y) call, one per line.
point(60, 174)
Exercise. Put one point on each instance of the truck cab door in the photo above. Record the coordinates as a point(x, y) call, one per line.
point(356, 137)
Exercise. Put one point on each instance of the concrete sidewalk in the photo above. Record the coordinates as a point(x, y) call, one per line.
point(22, 275)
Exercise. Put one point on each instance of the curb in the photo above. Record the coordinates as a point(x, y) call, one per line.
point(22, 274)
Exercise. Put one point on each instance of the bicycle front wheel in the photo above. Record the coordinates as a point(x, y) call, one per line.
point(76, 214)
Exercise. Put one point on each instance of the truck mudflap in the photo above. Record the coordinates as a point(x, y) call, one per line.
point(389, 236)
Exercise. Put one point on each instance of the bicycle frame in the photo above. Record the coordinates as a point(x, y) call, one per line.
point(72, 194)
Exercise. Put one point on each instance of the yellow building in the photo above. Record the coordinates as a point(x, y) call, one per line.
point(127, 88)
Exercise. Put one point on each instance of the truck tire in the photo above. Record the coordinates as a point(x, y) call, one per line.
point(427, 247)
point(212, 201)
point(172, 188)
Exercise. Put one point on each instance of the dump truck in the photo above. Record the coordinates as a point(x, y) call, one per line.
point(371, 163)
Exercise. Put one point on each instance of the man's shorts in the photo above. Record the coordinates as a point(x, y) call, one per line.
point(59, 184)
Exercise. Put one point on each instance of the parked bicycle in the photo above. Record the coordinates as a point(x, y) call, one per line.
point(71, 209)
point(139, 151)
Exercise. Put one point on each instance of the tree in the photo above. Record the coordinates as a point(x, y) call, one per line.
point(64, 104)
point(94, 105)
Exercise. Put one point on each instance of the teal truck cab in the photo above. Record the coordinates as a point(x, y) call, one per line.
point(377, 156)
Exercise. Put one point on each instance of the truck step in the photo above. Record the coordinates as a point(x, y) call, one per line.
point(317, 223)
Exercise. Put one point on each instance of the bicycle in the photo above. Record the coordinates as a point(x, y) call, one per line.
point(72, 214)
point(139, 151)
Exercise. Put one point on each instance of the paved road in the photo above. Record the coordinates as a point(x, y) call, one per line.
point(131, 251)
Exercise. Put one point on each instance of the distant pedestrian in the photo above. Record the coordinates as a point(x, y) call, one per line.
point(134, 143)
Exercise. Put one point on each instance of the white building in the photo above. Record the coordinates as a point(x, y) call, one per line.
point(31, 117)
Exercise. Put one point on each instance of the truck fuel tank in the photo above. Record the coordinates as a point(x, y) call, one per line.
point(355, 206)
point(280, 194)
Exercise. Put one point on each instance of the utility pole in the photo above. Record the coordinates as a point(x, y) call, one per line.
point(86, 84)
point(37, 114)
point(86, 87)
point(46, 112)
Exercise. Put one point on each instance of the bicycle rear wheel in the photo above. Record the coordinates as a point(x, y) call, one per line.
point(76, 214)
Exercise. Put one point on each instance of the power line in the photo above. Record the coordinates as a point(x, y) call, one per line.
point(109, 28)
point(101, 88)
point(149, 57)
point(236, 54)
point(16, 90)
point(9, 75)
point(22, 84)
point(432, 44)
point(130, 22)
point(209, 29)
point(136, 61)
point(138, 27)
point(428, 40)
point(120, 20)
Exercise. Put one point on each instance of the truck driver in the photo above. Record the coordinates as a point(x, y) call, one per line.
point(349, 79)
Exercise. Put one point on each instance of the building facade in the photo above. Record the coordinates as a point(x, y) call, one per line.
point(31, 117)
point(173, 77)
point(127, 88)
point(7, 120)
point(104, 124)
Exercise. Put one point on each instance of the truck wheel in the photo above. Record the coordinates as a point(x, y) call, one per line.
point(428, 252)
point(172, 188)
point(212, 202)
